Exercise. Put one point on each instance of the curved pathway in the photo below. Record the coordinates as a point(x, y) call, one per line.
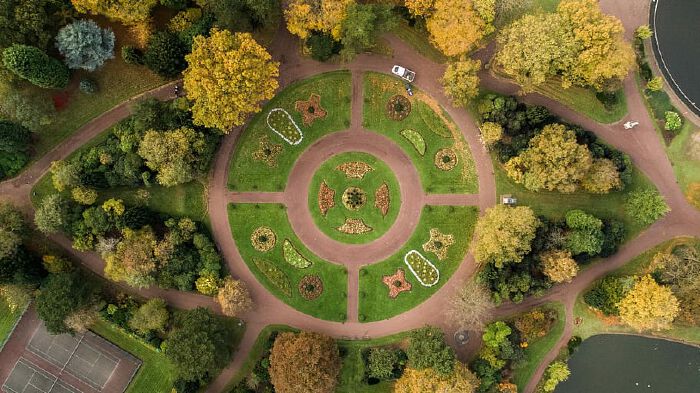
point(643, 145)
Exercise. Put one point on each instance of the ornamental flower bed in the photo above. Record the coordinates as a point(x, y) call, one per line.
point(397, 283)
point(281, 122)
point(276, 276)
point(381, 199)
point(439, 243)
point(398, 107)
point(446, 159)
point(326, 198)
point(426, 273)
point(294, 257)
point(267, 152)
point(354, 169)
point(310, 287)
point(310, 110)
point(263, 239)
point(354, 198)
point(416, 139)
point(354, 226)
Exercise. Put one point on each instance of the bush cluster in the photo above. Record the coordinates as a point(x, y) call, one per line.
point(34, 65)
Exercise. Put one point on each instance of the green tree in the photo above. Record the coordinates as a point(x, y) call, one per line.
point(505, 234)
point(52, 214)
point(381, 362)
point(461, 82)
point(496, 333)
point(30, 22)
point(585, 233)
point(60, 296)
point(362, 25)
point(14, 146)
point(151, 316)
point(646, 206)
point(31, 108)
point(12, 230)
point(64, 175)
point(85, 45)
point(32, 64)
point(304, 362)
point(672, 121)
point(607, 294)
point(556, 372)
point(165, 54)
point(427, 349)
point(172, 154)
point(84, 195)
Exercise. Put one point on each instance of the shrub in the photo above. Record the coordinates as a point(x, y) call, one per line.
point(429, 350)
point(646, 206)
point(32, 64)
point(88, 86)
point(14, 145)
point(132, 55)
point(535, 324)
point(322, 46)
point(382, 363)
point(165, 54)
point(607, 293)
point(85, 45)
point(655, 84)
point(672, 121)
point(643, 32)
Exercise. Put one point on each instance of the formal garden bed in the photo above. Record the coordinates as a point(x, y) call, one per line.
point(422, 128)
point(285, 266)
point(287, 125)
point(425, 264)
point(354, 197)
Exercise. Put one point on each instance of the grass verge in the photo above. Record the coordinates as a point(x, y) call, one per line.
point(585, 101)
point(8, 319)
point(419, 41)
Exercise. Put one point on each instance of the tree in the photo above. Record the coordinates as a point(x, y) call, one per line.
point(643, 32)
point(556, 372)
point(585, 233)
point(173, 154)
point(81, 321)
point(12, 230)
point(327, 16)
point(505, 234)
point(15, 296)
point(60, 296)
point(553, 161)
point(427, 349)
point(85, 45)
point(559, 266)
point(461, 82)
point(649, 305)
point(534, 48)
point(381, 362)
point(471, 306)
point(14, 147)
point(646, 206)
point(52, 214)
point(427, 380)
point(602, 177)
point(64, 175)
point(32, 64)
point(496, 334)
point(133, 260)
point(304, 362)
point(420, 7)
point(243, 15)
point(151, 316)
point(607, 294)
point(199, 344)
point(672, 121)
point(84, 195)
point(227, 78)
point(31, 108)
point(655, 84)
point(126, 11)
point(361, 26)
point(165, 54)
point(233, 297)
point(491, 133)
point(455, 26)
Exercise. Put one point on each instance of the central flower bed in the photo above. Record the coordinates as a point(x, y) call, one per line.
point(354, 197)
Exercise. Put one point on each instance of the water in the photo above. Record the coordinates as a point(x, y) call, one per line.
point(614, 363)
point(676, 25)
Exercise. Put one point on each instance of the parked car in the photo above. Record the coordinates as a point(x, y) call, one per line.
point(403, 73)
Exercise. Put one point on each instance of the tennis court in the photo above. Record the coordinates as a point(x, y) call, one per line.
point(26, 377)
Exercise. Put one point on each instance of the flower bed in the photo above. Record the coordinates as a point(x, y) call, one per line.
point(281, 122)
point(416, 140)
point(294, 257)
point(276, 276)
point(426, 273)
point(381, 199)
point(397, 283)
point(326, 198)
point(263, 239)
point(446, 159)
point(354, 198)
point(310, 110)
point(398, 107)
point(310, 287)
point(354, 226)
point(354, 169)
point(267, 152)
point(439, 243)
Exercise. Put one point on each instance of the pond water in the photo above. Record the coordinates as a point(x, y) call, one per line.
point(616, 363)
point(676, 47)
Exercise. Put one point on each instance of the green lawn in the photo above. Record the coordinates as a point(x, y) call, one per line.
point(554, 204)
point(419, 41)
point(432, 123)
point(375, 303)
point(247, 174)
point(538, 348)
point(8, 319)
point(584, 101)
point(246, 218)
point(156, 374)
point(339, 182)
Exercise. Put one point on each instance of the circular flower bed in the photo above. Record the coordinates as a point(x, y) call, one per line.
point(263, 239)
point(310, 287)
point(398, 107)
point(446, 159)
point(354, 198)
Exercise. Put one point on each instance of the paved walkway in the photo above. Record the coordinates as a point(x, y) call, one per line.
point(643, 145)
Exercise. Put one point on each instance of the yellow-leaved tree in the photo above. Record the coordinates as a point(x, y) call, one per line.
point(461, 82)
point(456, 27)
point(649, 305)
point(228, 76)
point(420, 7)
point(505, 234)
point(558, 265)
point(428, 380)
point(305, 16)
point(602, 177)
point(125, 11)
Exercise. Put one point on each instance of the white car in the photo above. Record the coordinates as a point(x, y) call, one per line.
point(403, 73)
point(630, 125)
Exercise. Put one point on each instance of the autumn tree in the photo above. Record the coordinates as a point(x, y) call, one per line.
point(471, 306)
point(556, 372)
point(227, 78)
point(655, 84)
point(602, 177)
point(31, 22)
point(60, 296)
point(172, 154)
point(81, 321)
point(491, 133)
point(133, 260)
point(151, 316)
point(643, 32)
point(427, 380)
point(233, 297)
point(505, 234)
point(306, 16)
point(456, 26)
point(12, 230)
point(420, 7)
point(84, 195)
point(553, 161)
point(461, 82)
point(649, 305)
point(558, 265)
point(126, 11)
point(304, 362)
